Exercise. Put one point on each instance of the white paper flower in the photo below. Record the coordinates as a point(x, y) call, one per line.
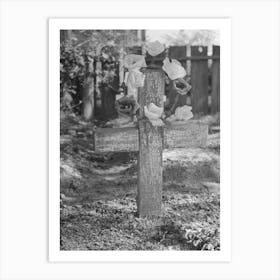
point(173, 69)
point(181, 114)
point(155, 109)
point(155, 48)
point(133, 80)
point(149, 115)
point(153, 112)
point(134, 61)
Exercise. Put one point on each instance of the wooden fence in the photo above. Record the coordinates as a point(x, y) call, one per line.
point(202, 69)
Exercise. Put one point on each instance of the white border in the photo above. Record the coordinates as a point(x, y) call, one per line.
point(55, 255)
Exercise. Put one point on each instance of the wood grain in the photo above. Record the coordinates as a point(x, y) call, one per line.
point(149, 192)
point(192, 134)
point(116, 139)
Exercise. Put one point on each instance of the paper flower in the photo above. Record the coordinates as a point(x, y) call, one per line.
point(173, 69)
point(153, 112)
point(134, 61)
point(181, 86)
point(155, 109)
point(155, 48)
point(134, 78)
point(149, 115)
point(181, 114)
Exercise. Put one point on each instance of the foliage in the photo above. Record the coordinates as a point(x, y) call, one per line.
point(75, 64)
point(79, 49)
point(194, 37)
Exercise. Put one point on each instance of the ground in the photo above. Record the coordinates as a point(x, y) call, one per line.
point(98, 207)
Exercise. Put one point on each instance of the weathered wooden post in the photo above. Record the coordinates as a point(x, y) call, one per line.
point(150, 148)
point(199, 80)
point(215, 94)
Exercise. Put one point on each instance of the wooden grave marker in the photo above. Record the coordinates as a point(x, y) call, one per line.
point(150, 141)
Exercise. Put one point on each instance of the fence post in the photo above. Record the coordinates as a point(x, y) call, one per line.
point(199, 80)
point(215, 94)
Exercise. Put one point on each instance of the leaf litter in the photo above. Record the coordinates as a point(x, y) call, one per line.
point(98, 206)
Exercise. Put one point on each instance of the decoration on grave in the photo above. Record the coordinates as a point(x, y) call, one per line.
point(155, 48)
point(134, 61)
point(126, 107)
point(133, 79)
point(181, 86)
point(173, 69)
point(176, 95)
point(152, 111)
point(154, 114)
point(183, 113)
point(155, 109)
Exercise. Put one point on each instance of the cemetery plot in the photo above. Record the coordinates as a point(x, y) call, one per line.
point(98, 206)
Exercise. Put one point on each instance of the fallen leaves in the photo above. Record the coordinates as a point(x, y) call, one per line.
point(189, 222)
